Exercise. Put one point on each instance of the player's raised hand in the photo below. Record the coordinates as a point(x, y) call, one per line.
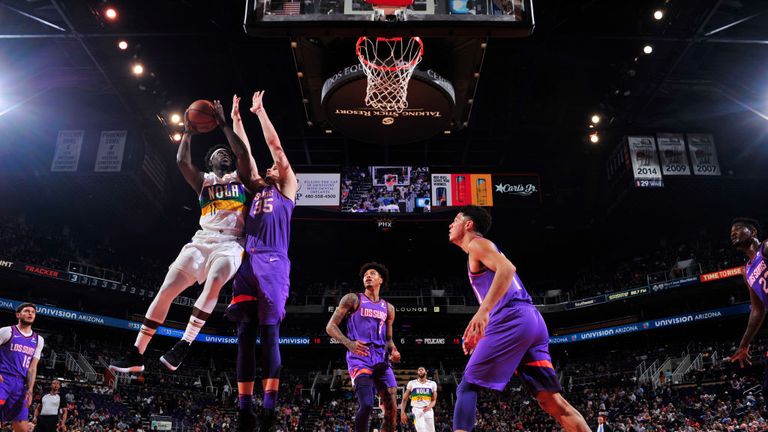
point(188, 126)
point(742, 356)
point(475, 331)
point(358, 348)
point(218, 113)
point(235, 114)
point(257, 103)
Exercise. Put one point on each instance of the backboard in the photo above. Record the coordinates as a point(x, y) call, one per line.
point(353, 18)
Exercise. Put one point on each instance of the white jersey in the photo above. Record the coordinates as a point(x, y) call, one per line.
point(51, 404)
point(421, 392)
point(222, 204)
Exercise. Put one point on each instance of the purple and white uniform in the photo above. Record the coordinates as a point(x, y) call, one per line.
point(16, 353)
point(516, 341)
point(756, 275)
point(262, 282)
point(368, 324)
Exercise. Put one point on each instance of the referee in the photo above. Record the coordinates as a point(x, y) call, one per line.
point(47, 413)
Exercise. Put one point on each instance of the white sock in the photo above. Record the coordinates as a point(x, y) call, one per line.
point(193, 329)
point(143, 338)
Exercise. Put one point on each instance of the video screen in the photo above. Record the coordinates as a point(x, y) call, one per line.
point(386, 189)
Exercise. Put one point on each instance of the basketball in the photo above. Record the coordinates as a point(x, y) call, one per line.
point(201, 116)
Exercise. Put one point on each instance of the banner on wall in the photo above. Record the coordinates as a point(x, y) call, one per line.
point(88, 318)
point(318, 189)
point(674, 161)
point(650, 325)
point(512, 190)
point(701, 148)
point(442, 195)
point(66, 156)
point(645, 161)
point(109, 156)
point(461, 189)
point(482, 192)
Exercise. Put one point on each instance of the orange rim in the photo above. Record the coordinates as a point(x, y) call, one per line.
point(410, 64)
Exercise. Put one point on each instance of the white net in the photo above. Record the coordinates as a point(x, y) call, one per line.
point(388, 64)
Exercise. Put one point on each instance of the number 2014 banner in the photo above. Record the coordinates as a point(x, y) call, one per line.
point(645, 161)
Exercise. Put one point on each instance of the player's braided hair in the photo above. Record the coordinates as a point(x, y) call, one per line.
point(380, 269)
point(479, 216)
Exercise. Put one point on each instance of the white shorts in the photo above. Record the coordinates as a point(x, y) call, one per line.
point(197, 256)
point(424, 421)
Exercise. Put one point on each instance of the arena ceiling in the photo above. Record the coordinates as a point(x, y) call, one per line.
point(531, 112)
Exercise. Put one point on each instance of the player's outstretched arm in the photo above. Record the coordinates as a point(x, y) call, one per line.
point(191, 174)
point(394, 354)
point(347, 305)
point(246, 165)
point(288, 183)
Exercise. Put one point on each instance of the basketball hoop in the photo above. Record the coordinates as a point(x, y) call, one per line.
point(388, 64)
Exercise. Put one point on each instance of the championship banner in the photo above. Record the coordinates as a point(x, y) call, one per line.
point(461, 189)
point(645, 162)
point(672, 152)
point(318, 189)
point(701, 148)
point(442, 195)
point(514, 191)
point(67, 153)
point(482, 194)
point(722, 274)
point(109, 157)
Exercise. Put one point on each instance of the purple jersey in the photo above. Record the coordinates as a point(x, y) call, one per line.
point(481, 284)
point(268, 226)
point(368, 323)
point(756, 275)
point(17, 353)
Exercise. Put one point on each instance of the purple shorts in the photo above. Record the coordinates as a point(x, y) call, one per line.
point(516, 342)
point(13, 402)
point(260, 288)
point(375, 365)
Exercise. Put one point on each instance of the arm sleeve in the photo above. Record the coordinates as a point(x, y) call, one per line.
point(39, 350)
point(5, 335)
